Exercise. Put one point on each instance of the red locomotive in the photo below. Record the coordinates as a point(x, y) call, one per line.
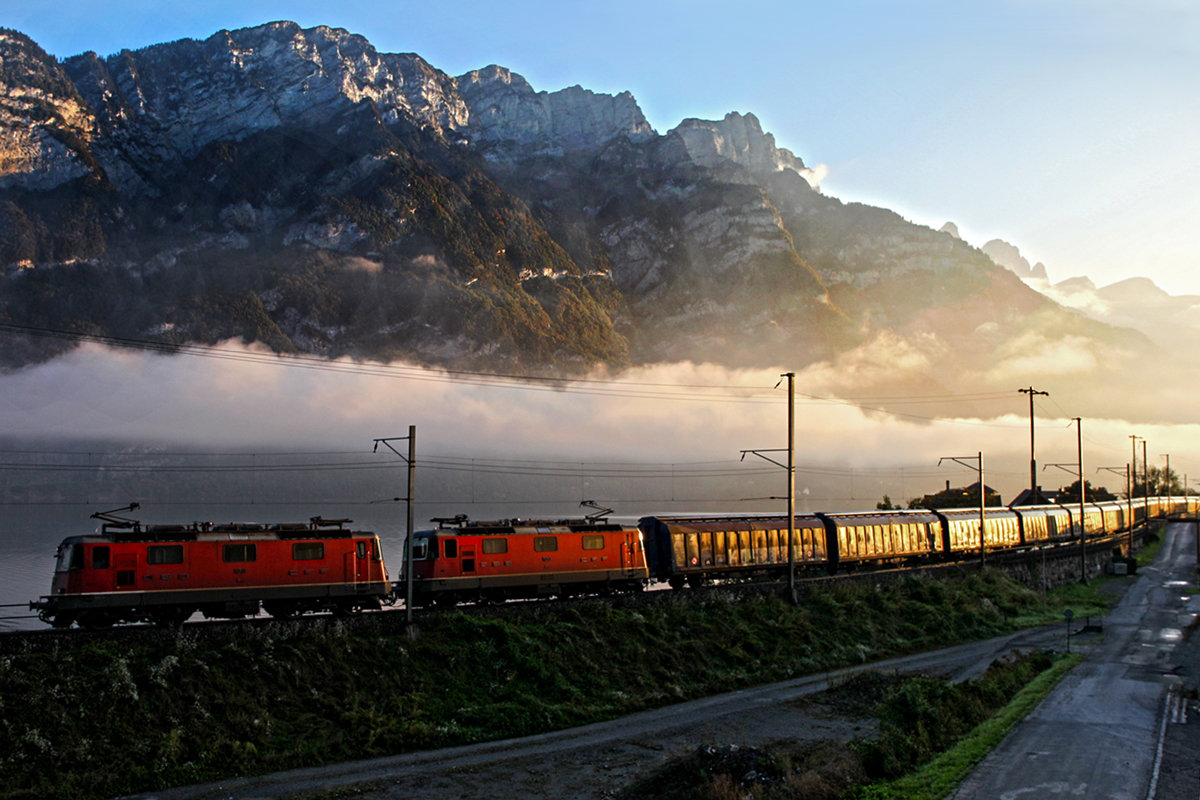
point(496, 561)
point(165, 573)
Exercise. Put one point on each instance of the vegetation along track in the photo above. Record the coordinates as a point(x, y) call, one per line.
point(134, 709)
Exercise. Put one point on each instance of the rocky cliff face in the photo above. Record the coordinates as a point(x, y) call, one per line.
point(167, 102)
point(45, 126)
point(298, 188)
point(738, 140)
point(504, 109)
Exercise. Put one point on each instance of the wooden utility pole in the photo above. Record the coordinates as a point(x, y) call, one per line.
point(1033, 492)
point(791, 501)
point(1146, 475)
point(790, 466)
point(411, 460)
point(1167, 477)
point(978, 459)
point(1082, 500)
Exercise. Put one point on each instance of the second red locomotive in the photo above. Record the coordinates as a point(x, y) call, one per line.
point(496, 561)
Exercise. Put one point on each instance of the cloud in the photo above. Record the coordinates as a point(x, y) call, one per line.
point(681, 414)
point(814, 175)
point(1032, 354)
point(1080, 296)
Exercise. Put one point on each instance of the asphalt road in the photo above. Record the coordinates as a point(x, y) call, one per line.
point(1114, 727)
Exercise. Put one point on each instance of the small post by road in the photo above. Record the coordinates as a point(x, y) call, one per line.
point(1068, 614)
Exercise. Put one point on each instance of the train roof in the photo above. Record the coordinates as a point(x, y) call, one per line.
point(459, 526)
point(880, 514)
point(988, 511)
point(223, 532)
point(740, 522)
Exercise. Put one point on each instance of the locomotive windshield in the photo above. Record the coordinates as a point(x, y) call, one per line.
point(70, 556)
point(424, 547)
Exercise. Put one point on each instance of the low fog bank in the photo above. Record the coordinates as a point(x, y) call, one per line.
point(658, 439)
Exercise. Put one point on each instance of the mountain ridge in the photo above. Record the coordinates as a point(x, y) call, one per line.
point(299, 188)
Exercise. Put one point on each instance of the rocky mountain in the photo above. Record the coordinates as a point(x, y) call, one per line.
point(298, 188)
point(1171, 321)
point(1009, 256)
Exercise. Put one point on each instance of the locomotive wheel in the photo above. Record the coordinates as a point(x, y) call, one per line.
point(170, 617)
point(446, 601)
point(281, 610)
point(95, 621)
point(61, 621)
point(346, 610)
point(489, 597)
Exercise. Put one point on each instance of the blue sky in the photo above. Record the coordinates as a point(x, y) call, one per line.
point(1066, 127)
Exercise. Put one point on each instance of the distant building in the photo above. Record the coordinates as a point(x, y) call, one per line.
point(962, 497)
point(1039, 498)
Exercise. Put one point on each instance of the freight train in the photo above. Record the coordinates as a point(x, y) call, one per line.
point(165, 573)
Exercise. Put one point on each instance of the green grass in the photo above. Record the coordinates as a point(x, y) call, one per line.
point(1147, 553)
point(1084, 600)
point(935, 780)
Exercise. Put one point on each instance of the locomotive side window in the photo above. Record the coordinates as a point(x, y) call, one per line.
point(308, 551)
point(451, 549)
point(100, 557)
point(545, 544)
point(234, 553)
point(360, 548)
point(493, 546)
point(591, 543)
point(165, 554)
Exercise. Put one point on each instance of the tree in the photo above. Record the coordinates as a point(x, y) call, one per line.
point(1070, 494)
point(960, 497)
point(886, 504)
point(1161, 483)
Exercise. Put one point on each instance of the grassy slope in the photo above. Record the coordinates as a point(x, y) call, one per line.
point(935, 779)
point(113, 716)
